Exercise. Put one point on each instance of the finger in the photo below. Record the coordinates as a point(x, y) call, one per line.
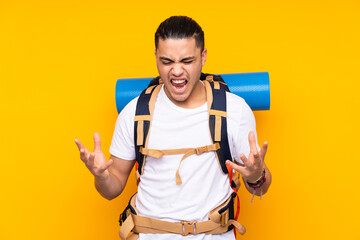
point(247, 162)
point(83, 151)
point(235, 166)
point(97, 142)
point(105, 166)
point(263, 150)
point(252, 142)
point(257, 160)
point(91, 159)
point(84, 155)
point(79, 144)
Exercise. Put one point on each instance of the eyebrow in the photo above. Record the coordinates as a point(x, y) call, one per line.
point(182, 60)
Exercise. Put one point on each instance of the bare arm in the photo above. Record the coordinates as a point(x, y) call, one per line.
point(110, 176)
point(114, 184)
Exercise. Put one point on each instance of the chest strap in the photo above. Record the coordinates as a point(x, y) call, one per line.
point(186, 151)
point(219, 222)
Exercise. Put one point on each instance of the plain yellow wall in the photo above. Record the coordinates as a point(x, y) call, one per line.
point(59, 62)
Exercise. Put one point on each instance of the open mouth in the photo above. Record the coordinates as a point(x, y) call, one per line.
point(178, 85)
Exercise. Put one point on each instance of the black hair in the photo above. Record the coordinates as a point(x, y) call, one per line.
point(180, 27)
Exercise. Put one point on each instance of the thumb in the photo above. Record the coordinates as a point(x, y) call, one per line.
point(235, 166)
point(105, 166)
point(97, 142)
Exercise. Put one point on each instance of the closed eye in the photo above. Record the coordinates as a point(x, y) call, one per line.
point(168, 61)
point(188, 60)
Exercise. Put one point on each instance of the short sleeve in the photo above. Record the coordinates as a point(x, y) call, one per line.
point(122, 144)
point(241, 121)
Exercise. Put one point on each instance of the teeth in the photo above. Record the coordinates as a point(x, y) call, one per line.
point(178, 81)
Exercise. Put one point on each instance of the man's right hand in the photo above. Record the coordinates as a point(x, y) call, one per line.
point(95, 161)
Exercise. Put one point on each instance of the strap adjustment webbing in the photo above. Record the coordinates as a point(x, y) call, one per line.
point(218, 115)
point(210, 78)
point(186, 151)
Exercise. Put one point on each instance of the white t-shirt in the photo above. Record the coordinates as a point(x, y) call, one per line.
point(204, 185)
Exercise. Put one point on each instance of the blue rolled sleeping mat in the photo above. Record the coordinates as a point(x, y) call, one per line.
point(253, 87)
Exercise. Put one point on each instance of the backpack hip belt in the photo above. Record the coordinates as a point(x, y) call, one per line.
point(219, 222)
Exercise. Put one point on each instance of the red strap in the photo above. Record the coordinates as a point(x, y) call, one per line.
point(136, 172)
point(237, 207)
point(230, 171)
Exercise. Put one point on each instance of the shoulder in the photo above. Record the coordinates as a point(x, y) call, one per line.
point(122, 144)
point(128, 112)
point(235, 103)
point(237, 108)
point(130, 107)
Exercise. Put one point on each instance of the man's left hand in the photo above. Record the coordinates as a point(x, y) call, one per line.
point(252, 167)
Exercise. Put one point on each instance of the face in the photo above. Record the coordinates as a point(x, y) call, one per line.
point(179, 62)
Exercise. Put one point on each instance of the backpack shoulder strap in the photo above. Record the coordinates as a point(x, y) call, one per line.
point(143, 116)
point(216, 98)
point(218, 81)
point(155, 81)
point(216, 90)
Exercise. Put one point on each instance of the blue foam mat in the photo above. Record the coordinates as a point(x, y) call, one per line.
point(253, 87)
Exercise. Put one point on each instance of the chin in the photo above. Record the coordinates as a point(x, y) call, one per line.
point(178, 98)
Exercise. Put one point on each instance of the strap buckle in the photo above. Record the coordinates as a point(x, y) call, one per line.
point(224, 219)
point(188, 228)
point(200, 150)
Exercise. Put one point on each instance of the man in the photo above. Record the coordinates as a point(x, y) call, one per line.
point(180, 120)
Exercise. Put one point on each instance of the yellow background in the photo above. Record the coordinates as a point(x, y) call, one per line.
point(59, 62)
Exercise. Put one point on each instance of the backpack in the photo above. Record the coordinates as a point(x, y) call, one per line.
point(216, 90)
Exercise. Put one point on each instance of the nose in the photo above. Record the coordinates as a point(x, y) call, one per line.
point(177, 69)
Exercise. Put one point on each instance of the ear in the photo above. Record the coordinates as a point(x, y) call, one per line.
point(203, 56)
point(156, 59)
